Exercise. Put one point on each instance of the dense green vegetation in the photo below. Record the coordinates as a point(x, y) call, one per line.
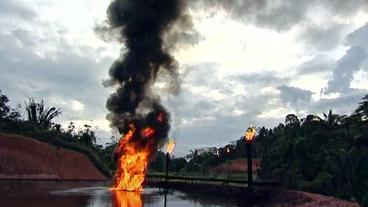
point(323, 155)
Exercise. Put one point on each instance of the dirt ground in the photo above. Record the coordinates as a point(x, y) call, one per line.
point(27, 158)
point(305, 199)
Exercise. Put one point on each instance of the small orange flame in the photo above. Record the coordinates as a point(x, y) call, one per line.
point(147, 132)
point(133, 161)
point(127, 199)
point(170, 146)
point(250, 134)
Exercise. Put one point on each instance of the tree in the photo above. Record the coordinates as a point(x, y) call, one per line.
point(333, 119)
point(39, 114)
point(292, 119)
point(176, 164)
point(87, 137)
point(158, 164)
point(311, 118)
point(4, 108)
point(321, 155)
point(6, 112)
point(362, 110)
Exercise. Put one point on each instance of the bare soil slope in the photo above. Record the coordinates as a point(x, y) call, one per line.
point(27, 158)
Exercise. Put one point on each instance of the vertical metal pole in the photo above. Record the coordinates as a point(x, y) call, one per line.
point(250, 172)
point(165, 198)
point(167, 167)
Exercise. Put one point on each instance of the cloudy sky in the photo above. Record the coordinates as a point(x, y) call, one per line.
point(253, 62)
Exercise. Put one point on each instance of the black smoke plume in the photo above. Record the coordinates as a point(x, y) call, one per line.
point(149, 30)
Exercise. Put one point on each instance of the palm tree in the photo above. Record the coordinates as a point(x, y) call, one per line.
point(31, 108)
point(39, 114)
point(333, 119)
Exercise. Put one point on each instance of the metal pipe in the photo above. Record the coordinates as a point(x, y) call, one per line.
point(250, 171)
point(167, 168)
point(165, 198)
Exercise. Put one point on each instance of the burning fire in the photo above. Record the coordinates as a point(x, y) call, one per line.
point(170, 146)
point(134, 159)
point(135, 150)
point(250, 134)
point(147, 132)
point(135, 108)
point(127, 199)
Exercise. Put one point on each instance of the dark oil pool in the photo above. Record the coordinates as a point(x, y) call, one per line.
point(95, 194)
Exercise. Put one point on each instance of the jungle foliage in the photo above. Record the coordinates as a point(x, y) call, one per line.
point(326, 155)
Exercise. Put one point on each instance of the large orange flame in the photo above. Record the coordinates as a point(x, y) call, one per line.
point(127, 199)
point(134, 158)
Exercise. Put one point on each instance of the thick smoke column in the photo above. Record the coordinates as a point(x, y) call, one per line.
point(150, 29)
point(142, 25)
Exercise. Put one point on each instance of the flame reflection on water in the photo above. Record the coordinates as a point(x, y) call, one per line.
point(126, 199)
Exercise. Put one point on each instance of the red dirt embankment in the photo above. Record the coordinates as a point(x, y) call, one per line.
point(239, 165)
point(27, 158)
point(305, 199)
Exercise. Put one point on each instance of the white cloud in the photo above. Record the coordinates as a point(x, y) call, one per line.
point(360, 80)
point(237, 48)
point(77, 106)
point(314, 83)
point(269, 91)
point(280, 112)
